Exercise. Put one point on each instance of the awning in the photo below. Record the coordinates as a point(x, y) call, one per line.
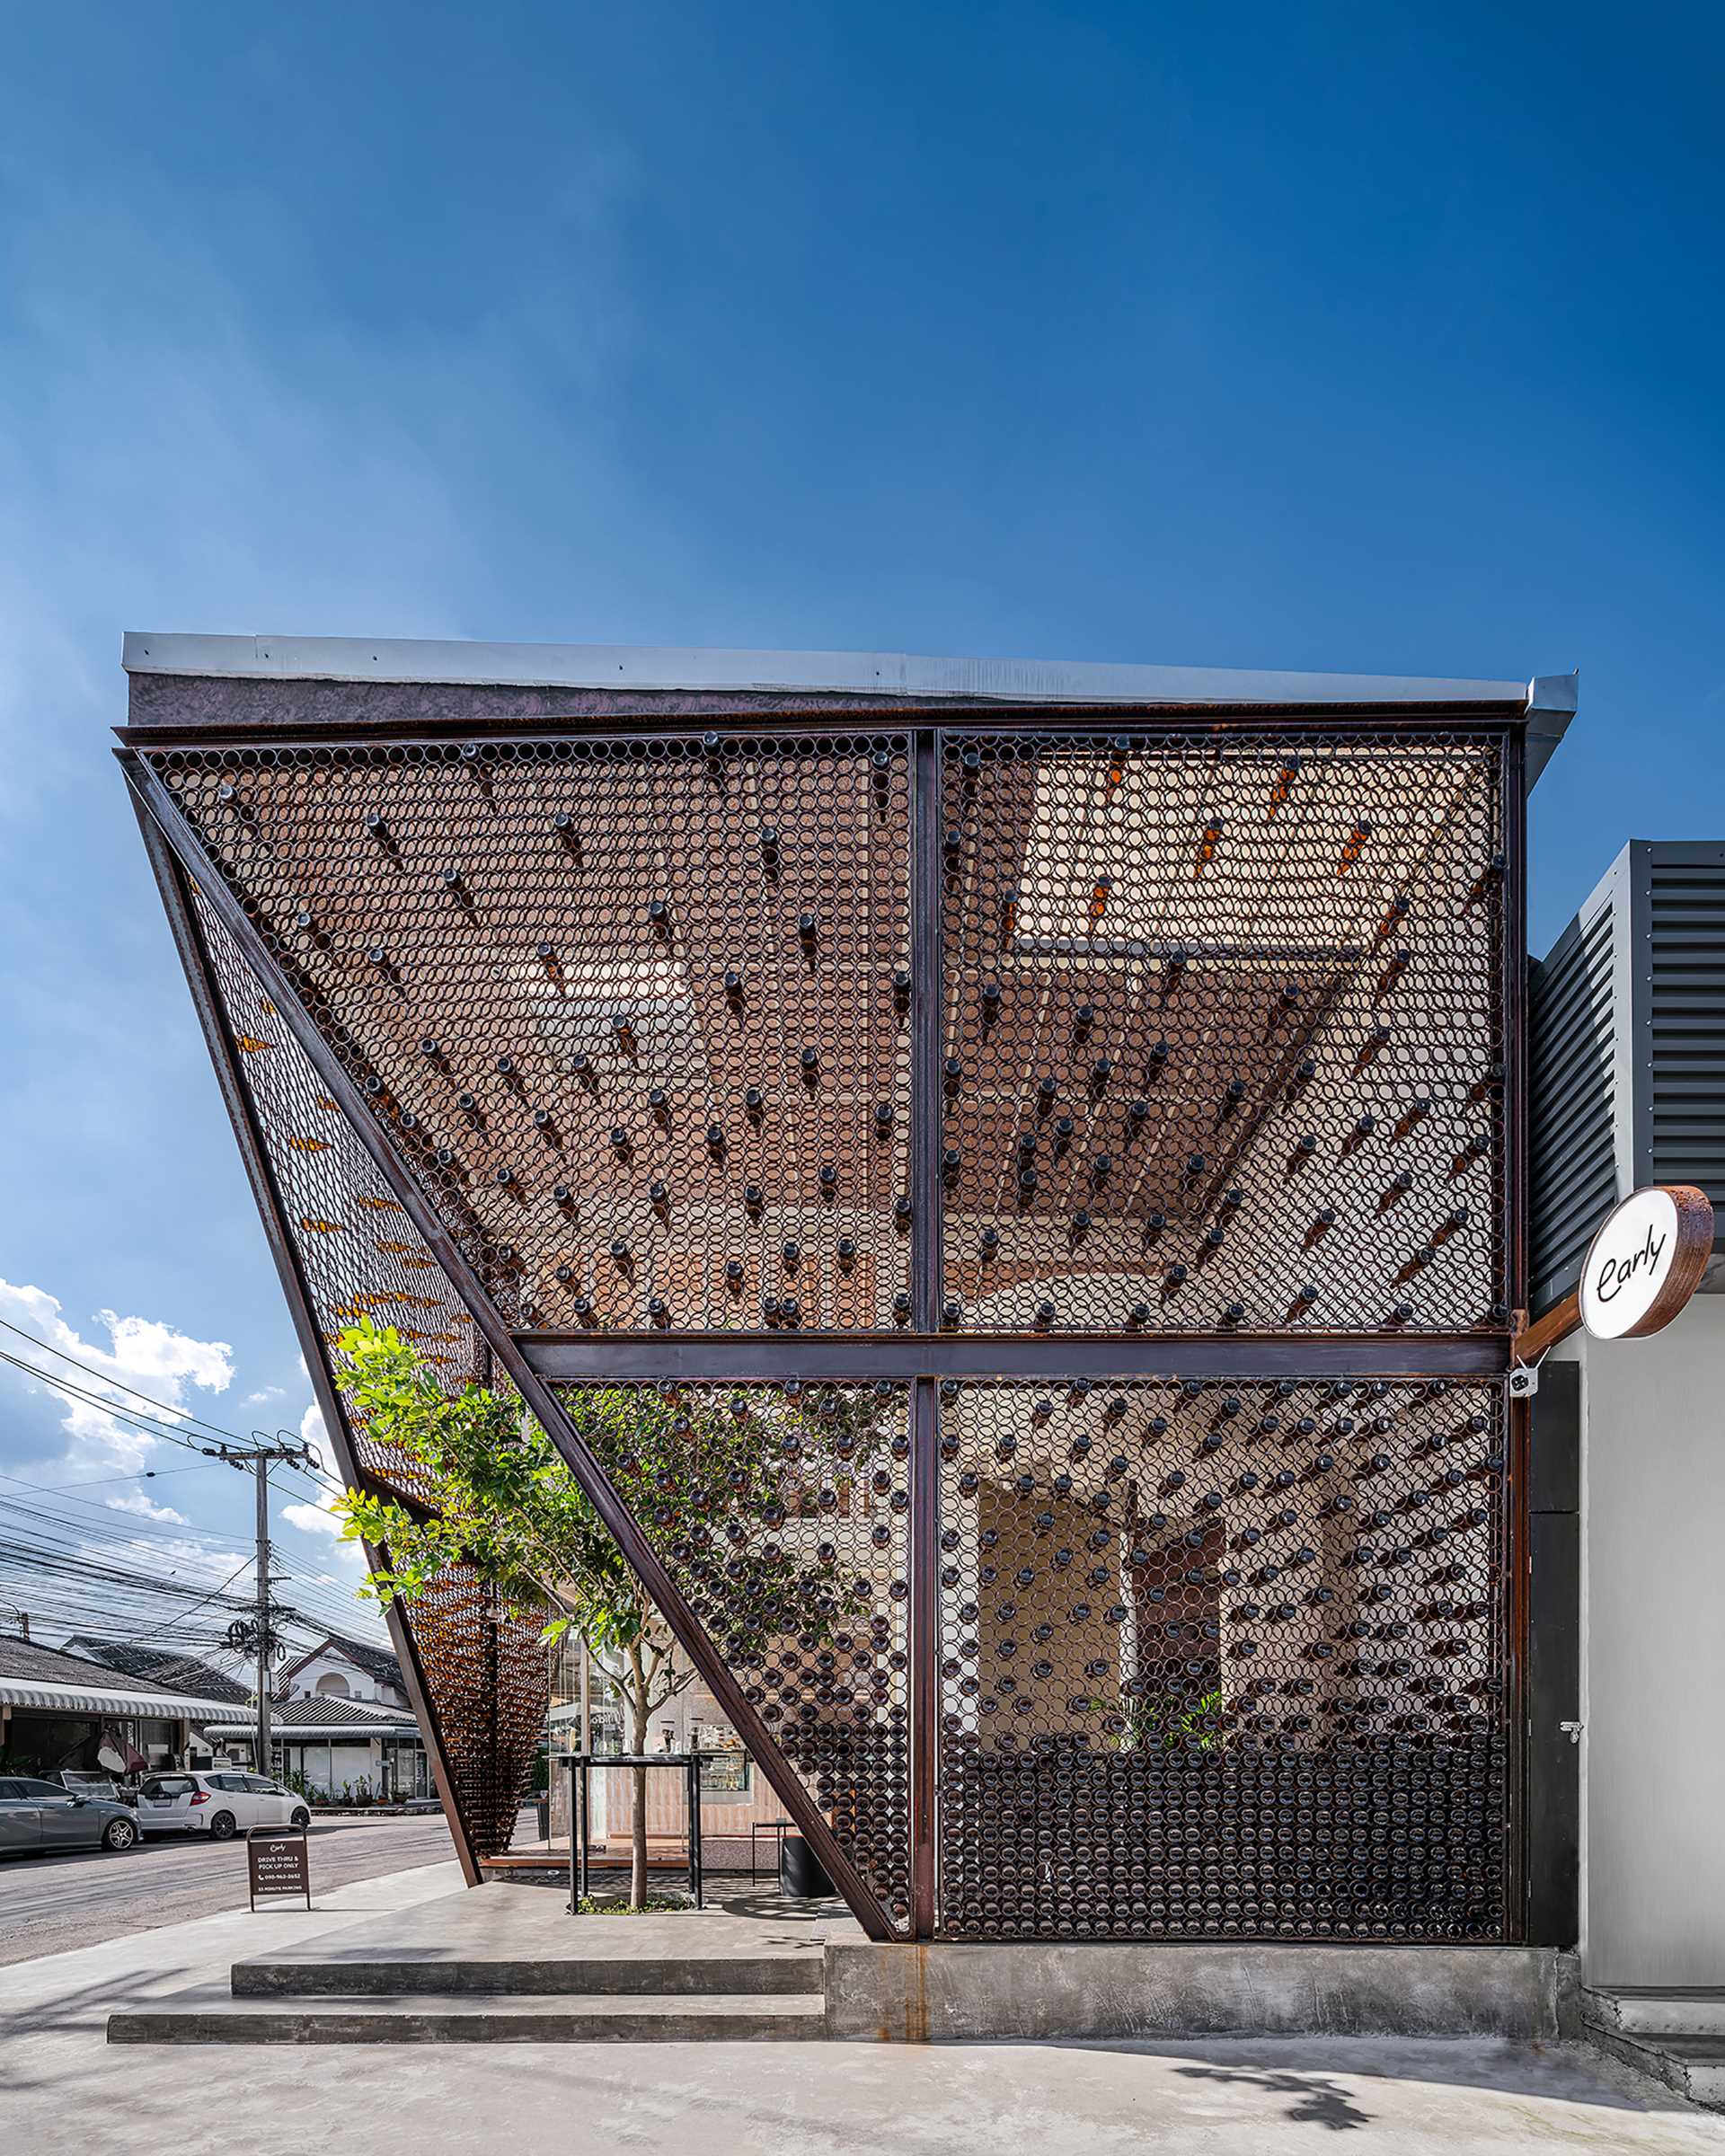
point(94, 1699)
point(310, 1733)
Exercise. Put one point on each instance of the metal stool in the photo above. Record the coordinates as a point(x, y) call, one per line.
point(756, 1827)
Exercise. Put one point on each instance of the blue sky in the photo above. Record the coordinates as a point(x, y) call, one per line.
point(1334, 336)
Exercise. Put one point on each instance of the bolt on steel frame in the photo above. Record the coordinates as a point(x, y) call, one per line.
point(1074, 1158)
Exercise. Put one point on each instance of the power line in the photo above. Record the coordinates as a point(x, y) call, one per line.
point(76, 1534)
point(149, 1426)
point(142, 1474)
point(118, 1385)
point(117, 1409)
point(168, 1425)
point(177, 1420)
point(54, 1545)
point(232, 1575)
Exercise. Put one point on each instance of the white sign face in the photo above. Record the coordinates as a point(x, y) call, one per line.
point(1628, 1262)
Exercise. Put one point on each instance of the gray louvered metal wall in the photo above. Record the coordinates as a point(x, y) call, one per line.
point(1627, 1063)
point(1687, 1105)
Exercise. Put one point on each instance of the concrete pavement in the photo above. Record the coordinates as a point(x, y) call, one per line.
point(64, 2092)
point(49, 1905)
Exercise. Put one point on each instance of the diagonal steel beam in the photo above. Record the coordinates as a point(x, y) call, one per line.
point(596, 1484)
point(237, 1101)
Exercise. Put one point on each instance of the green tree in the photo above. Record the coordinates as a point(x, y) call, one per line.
point(719, 1480)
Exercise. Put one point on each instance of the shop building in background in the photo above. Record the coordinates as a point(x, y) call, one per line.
point(60, 1711)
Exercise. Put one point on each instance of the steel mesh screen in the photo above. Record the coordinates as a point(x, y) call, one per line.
point(1218, 1048)
point(782, 1514)
point(1224, 1031)
point(1223, 1659)
point(360, 1257)
point(636, 1013)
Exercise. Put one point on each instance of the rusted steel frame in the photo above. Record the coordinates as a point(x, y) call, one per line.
point(734, 1357)
point(781, 722)
point(195, 960)
point(1512, 928)
point(1562, 1319)
point(595, 1483)
point(928, 1012)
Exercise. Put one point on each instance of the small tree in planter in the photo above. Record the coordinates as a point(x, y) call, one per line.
point(506, 1506)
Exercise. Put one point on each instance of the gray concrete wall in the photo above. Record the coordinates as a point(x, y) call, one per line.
point(1653, 1652)
point(948, 1994)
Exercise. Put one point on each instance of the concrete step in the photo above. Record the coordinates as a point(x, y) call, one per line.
point(1657, 2010)
point(1694, 2066)
point(304, 1975)
point(212, 2016)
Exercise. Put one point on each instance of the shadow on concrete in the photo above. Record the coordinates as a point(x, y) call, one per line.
point(1298, 2067)
point(86, 2008)
point(1317, 2101)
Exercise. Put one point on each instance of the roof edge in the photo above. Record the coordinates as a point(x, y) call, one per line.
point(1552, 701)
point(851, 672)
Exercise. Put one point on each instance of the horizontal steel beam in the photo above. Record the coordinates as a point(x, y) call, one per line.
point(738, 1357)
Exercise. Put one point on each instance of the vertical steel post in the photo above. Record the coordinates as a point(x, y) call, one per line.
point(574, 1841)
point(585, 1821)
point(266, 1640)
point(927, 1012)
point(1514, 1525)
point(586, 1725)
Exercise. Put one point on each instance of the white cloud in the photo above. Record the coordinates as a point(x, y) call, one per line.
point(178, 1557)
point(312, 1429)
point(146, 1510)
point(152, 1357)
point(263, 1396)
point(320, 1519)
point(312, 1519)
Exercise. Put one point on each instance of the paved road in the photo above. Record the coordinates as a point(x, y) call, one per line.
point(48, 1905)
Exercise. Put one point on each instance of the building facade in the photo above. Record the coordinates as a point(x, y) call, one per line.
point(1005, 1185)
point(341, 1751)
point(61, 1711)
point(1628, 1088)
point(340, 1668)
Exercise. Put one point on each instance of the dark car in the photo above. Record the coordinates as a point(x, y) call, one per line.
point(42, 1815)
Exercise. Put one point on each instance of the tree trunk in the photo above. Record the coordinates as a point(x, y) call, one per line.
point(638, 1805)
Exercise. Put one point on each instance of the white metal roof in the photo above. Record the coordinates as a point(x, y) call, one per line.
point(850, 673)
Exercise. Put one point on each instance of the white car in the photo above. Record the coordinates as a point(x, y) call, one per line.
point(218, 1805)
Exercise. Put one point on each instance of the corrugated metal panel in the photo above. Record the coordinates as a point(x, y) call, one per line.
point(1686, 1050)
point(1572, 1133)
point(92, 1700)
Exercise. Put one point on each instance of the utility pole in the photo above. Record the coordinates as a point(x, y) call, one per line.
point(258, 1638)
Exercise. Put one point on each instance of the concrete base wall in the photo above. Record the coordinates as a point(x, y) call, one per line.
point(939, 1994)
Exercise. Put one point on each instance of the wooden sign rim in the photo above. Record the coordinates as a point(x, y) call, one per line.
point(1694, 1212)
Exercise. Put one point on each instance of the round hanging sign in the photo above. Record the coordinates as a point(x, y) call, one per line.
point(1646, 1261)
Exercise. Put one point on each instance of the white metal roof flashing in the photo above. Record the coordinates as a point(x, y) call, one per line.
point(896, 673)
